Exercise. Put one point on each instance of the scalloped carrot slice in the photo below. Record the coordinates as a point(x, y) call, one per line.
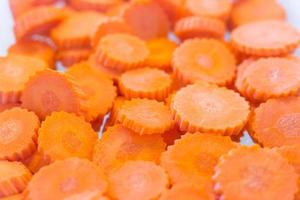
point(14, 197)
point(205, 60)
point(70, 57)
point(119, 145)
point(72, 178)
point(14, 178)
point(36, 161)
point(193, 157)
point(250, 173)
point(117, 105)
point(97, 5)
point(63, 135)
point(138, 180)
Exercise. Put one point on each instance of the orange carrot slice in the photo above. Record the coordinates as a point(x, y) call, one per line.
point(250, 38)
point(138, 180)
point(208, 108)
point(117, 105)
point(63, 135)
point(97, 5)
point(36, 161)
point(70, 57)
point(14, 178)
point(121, 52)
point(15, 71)
point(72, 178)
point(276, 122)
point(242, 68)
point(254, 173)
point(14, 197)
point(145, 83)
point(204, 59)
point(174, 9)
point(193, 157)
point(145, 116)
point(119, 145)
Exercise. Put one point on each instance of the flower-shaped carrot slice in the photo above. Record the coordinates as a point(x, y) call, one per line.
point(204, 59)
point(119, 145)
point(145, 116)
point(70, 57)
point(193, 157)
point(15, 71)
point(251, 173)
point(251, 38)
point(145, 83)
point(208, 108)
point(138, 180)
point(175, 9)
point(63, 135)
point(97, 5)
point(72, 178)
point(276, 122)
point(14, 178)
point(121, 52)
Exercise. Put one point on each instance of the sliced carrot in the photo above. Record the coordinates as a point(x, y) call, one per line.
point(14, 197)
point(145, 83)
point(171, 135)
point(254, 173)
point(97, 5)
point(193, 157)
point(175, 9)
point(14, 178)
point(119, 145)
point(145, 116)
point(208, 108)
point(117, 105)
point(121, 52)
point(63, 135)
point(7, 106)
point(72, 178)
point(15, 71)
point(138, 180)
point(36, 161)
point(70, 57)
point(204, 59)
point(242, 68)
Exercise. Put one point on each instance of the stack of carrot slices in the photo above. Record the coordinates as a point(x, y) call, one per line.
point(150, 100)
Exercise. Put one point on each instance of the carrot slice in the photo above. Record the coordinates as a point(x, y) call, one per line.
point(251, 173)
point(119, 145)
point(145, 83)
point(174, 9)
point(276, 122)
point(193, 157)
point(208, 108)
point(15, 71)
point(117, 105)
point(138, 180)
point(204, 59)
point(97, 5)
point(145, 116)
point(72, 178)
point(250, 38)
point(201, 27)
point(70, 57)
point(36, 161)
point(50, 91)
point(63, 135)
point(242, 68)
point(14, 178)
point(14, 197)
point(121, 52)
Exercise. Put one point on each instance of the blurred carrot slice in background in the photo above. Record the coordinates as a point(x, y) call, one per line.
point(97, 5)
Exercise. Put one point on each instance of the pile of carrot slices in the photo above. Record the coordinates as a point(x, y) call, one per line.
point(148, 100)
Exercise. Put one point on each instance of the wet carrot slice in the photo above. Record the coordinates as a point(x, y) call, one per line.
point(36, 161)
point(119, 145)
point(193, 157)
point(72, 178)
point(174, 9)
point(149, 177)
point(117, 105)
point(254, 173)
point(145, 83)
point(121, 52)
point(145, 116)
point(208, 108)
point(70, 57)
point(97, 5)
point(63, 135)
point(251, 38)
point(14, 197)
point(14, 178)
point(201, 27)
point(204, 59)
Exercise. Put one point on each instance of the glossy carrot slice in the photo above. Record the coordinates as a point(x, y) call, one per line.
point(71, 57)
point(97, 5)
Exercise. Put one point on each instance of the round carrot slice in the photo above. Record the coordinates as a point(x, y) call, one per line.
point(119, 145)
point(251, 38)
point(193, 157)
point(121, 52)
point(72, 178)
point(14, 177)
point(208, 108)
point(97, 5)
point(138, 180)
point(174, 9)
point(70, 57)
point(276, 122)
point(14, 197)
point(242, 68)
point(145, 83)
point(145, 116)
point(36, 161)
point(117, 105)
point(250, 173)
point(63, 135)
point(204, 59)
point(201, 27)
point(15, 71)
